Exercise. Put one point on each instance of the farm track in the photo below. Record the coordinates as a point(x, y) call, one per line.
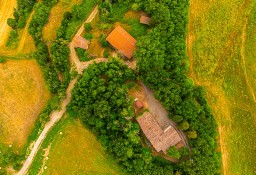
point(25, 33)
point(243, 38)
point(57, 115)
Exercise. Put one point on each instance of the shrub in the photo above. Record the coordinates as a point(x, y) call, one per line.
point(87, 27)
point(2, 60)
point(173, 152)
point(103, 40)
point(88, 36)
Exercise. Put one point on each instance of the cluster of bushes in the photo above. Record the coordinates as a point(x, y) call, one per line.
point(176, 153)
point(12, 41)
point(7, 158)
point(72, 20)
point(100, 100)
point(21, 14)
point(162, 65)
point(40, 18)
point(83, 54)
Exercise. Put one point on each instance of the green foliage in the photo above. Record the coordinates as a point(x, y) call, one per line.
point(100, 100)
point(173, 152)
point(161, 55)
point(191, 134)
point(87, 27)
point(83, 54)
point(12, 41)
point(2, 60)
point(177, 118)
point(73, 19)
point(21, 14)
point(7, 158)
point(103, 40)
point(184, 125)
point(88, 36)
point(40, 17)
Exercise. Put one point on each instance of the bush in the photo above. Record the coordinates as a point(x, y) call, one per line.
point(88, 36)
point(191, 134)
point(87, 27)
point(12, 41)
point(177, 118)
point(103, 40)
point(174, 152)
point(184, 125)
point(2, 60)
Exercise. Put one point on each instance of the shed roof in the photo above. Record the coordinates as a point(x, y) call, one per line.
point(122, 41)
point(160, 139)
point(80, 42)
point(145, 20)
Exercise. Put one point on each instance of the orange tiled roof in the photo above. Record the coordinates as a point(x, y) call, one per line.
point(122, 41)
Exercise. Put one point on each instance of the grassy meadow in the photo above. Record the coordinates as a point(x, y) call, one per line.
point(71, 149)
point(221, 47)
point(23, 94)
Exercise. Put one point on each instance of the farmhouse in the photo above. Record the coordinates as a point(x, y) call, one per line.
point(80, 42)
point(161, 139)
point(122, 41)
point(145, 20)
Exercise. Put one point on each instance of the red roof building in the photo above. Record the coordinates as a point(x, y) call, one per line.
point(122, 41)
point(160, 139)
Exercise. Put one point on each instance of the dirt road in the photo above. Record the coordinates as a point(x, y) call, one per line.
point(74, 58)
point(56, 115)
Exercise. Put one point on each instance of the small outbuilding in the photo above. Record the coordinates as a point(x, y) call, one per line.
point(122, 41)
point(138, 104)
point(145, 20)
point(81, 42)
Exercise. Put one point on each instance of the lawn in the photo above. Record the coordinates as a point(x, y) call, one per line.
point(23, 94)
point(71, 149)
point(221, 46)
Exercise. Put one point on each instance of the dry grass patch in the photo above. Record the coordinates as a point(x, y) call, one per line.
point(23, 94)
point(55, 18)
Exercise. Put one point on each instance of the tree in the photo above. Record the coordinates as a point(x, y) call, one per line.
point(184, 125)
point(191, 134)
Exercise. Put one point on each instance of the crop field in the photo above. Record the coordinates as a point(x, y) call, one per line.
point(221, 47)
point(73, 150)
point(56, 16)
point(6, 11)
point(23, 94)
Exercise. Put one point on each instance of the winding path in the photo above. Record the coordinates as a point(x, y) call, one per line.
point(56, 115)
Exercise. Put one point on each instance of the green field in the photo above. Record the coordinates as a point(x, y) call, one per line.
point(221, 47)
point(72, 149)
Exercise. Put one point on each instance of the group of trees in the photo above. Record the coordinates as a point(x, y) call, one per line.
point(162, 65)
point(101, 101)
point(21, 14)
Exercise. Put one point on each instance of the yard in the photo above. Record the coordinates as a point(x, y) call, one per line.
point(220, 47)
